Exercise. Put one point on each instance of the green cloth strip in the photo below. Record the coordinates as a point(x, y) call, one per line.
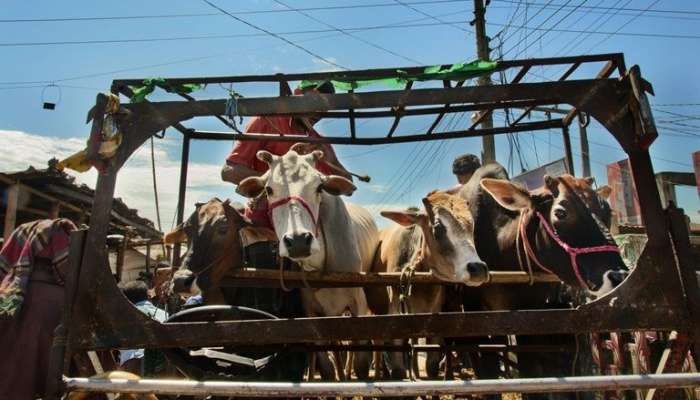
point(455, 72)
point(149, 85)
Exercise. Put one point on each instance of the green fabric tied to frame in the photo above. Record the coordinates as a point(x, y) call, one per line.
point(149, 85)
point(455, 72)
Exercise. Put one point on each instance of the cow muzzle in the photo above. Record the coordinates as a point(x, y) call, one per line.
point(298, 245)
point(183, 283)
point(477, 274)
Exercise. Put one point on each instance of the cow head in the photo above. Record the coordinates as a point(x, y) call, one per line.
point(567, 212)
point(211, 233)
point(448, 232)
point(294, 189)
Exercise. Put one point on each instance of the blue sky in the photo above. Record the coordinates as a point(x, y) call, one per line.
point(401, 173)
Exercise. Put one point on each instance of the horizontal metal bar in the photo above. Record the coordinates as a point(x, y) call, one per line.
point(383, 389)
point(526, 127)
point(482, 348)
point(433, 110)
point(365, 73)
point(271, 278)
point(547, 93)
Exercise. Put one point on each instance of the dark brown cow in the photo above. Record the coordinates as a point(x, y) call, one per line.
point(213, 248)
point(566, 214)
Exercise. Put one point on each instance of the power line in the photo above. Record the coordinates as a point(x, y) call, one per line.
point(548, 30)
point(346, 33)
point(455, 25)
point(645, 10)
point(616, 32)
point(237, 35)
point(575, 42)
point(539, 26)
point(289, 42)
point(253, 12)
point(400, 24)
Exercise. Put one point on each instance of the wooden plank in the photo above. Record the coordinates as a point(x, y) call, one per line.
point(11, 210)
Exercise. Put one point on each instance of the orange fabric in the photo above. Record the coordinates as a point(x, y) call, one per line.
point(244, 152)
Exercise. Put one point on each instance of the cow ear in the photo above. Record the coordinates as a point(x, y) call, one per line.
point(589, 180)
point(251, 187)
point(337, 185)
point(604, 192)
point(176, 236)
point(506, 194)
point(552, 184)
point(233, 216)
point(265, 156)
point(403, 218)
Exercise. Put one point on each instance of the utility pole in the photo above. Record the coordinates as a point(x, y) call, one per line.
point(483, 52)
point(583, 135)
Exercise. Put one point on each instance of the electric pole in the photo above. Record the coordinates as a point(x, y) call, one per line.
point(483, 52)
point(585, 157)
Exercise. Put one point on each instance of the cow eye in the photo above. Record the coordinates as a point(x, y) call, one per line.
point(268, 190)
point(560, 213)
point(439, 230)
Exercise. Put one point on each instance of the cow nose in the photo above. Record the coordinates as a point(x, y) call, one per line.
point(298, 245)
point(617, 276)
point(182, 281)
point(478, 273)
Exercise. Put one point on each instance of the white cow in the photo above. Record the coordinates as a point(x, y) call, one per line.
point(318, 230)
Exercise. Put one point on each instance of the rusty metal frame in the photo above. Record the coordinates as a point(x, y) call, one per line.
point(661, 293)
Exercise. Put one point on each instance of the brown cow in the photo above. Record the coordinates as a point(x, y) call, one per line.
point(213, 248)
point(439, 239)
point(565, 214)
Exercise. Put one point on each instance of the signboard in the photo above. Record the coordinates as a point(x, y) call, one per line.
point(623, 197)
point(534, 178)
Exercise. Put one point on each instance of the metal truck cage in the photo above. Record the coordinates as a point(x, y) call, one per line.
point(661, 294)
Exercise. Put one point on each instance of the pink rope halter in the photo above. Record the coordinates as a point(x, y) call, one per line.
point(573, 252)
point(301, 201)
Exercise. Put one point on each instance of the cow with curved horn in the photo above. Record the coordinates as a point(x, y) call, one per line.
point(560, 228)
point(318, 230)
point(439, 239)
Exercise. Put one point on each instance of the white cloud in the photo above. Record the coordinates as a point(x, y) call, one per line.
point(134, 182)
point(376, 188)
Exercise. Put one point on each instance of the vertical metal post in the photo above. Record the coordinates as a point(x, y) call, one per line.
point(483, 52)
point(184, 161)
point(11, 210)
point(583, 135)
point(567, 149)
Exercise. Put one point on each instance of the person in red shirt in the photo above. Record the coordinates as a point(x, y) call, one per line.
point(242, 162)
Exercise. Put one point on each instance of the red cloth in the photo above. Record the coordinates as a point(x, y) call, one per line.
point(41, 238)
point(244, 152)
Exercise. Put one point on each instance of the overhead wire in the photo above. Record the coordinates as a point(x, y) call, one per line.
point(548, 30)
point(250, 12)
point(539, 26)
point(455, 25)
point(646, 10)
point(399, 24)
point(279, 37)
point(348, 34)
